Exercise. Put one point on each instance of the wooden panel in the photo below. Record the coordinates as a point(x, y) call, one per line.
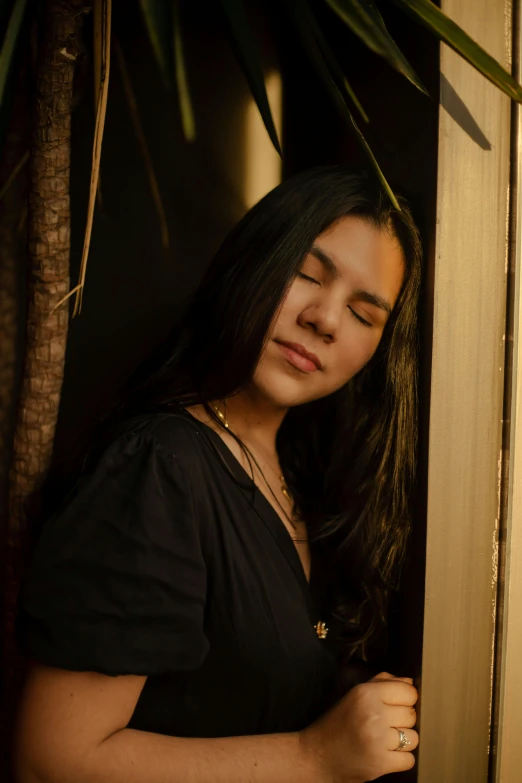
point(507, 764)
point(466, 407)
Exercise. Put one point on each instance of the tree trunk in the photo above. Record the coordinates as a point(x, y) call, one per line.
point(49, 226)
point(13, 243)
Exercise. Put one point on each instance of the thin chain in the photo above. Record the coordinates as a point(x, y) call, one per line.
point(256, 463)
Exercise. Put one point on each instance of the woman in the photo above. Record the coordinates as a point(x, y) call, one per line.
point(234, 540)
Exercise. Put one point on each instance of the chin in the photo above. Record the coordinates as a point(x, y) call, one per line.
point(285, 391)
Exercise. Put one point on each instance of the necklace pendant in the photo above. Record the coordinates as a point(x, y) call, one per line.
point(221, 416)
point(321, 630)
point(284, 489)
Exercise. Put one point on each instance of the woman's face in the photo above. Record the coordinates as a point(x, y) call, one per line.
point(334, 314)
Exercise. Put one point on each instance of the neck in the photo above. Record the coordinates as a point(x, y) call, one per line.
point(252, 418)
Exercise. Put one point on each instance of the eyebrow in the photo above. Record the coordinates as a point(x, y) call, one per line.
point(364, 296)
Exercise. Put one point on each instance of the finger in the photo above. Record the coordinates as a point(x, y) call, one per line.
point(412, 739)
point(398, 693)
point(400, 762)
point(400, 716)
point(383, 676)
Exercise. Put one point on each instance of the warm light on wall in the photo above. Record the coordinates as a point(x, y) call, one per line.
point(263, 168)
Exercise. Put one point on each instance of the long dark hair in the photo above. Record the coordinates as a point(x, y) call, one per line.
point(349, 459)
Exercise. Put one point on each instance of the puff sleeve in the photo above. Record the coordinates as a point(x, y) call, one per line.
point(118, 581)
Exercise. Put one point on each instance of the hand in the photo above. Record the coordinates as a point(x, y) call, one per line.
point(356, 740)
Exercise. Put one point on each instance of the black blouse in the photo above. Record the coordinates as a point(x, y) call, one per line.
point(167, 561)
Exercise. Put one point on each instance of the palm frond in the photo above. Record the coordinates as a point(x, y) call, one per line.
point(444, 28)
point(305, 33)
point(14, 173)
point(97, 52)
point(188, 122)
point(364, 19)
point(9, 42)
point(138, 127)
point(104, 16)
point(244, 45)
point(338, 75)
point(158, 20)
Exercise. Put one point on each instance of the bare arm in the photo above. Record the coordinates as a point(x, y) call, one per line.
point(71, 729)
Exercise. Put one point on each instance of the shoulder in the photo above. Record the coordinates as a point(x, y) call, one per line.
point(177, 433)
point(117, 582)
point(178, 440)
point(169, 448)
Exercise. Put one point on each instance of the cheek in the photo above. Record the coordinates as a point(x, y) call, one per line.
point(294, 302)
point(354, 351)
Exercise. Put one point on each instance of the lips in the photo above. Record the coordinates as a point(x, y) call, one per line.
point(298, 356)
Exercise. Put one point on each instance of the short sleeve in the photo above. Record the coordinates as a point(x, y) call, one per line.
point(118, 581)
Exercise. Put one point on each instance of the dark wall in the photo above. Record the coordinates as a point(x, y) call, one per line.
point(134, 286)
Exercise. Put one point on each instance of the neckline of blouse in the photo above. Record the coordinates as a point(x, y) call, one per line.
point(261, 505)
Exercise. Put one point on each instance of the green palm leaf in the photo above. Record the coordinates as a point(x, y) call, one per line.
point(309, 42)
point(185, 102)
point(162, 20)
point(427, 13)
point(244, 45)
point(9, 43)
point(158, 20)
point(341, 81)
point(364, 20)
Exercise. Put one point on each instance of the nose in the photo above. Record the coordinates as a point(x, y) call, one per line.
point(324, 318)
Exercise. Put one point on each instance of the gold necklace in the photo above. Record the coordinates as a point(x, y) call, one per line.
point(284, 487)
point(320, 628)
point(221, 416)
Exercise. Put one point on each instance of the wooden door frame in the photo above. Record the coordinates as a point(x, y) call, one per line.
point(506, 760)
point(467, 384)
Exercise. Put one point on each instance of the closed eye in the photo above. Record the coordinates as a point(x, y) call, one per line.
point(361, 320)
point(307, 277)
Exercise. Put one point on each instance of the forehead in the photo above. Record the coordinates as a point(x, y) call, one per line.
point(365, 254)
